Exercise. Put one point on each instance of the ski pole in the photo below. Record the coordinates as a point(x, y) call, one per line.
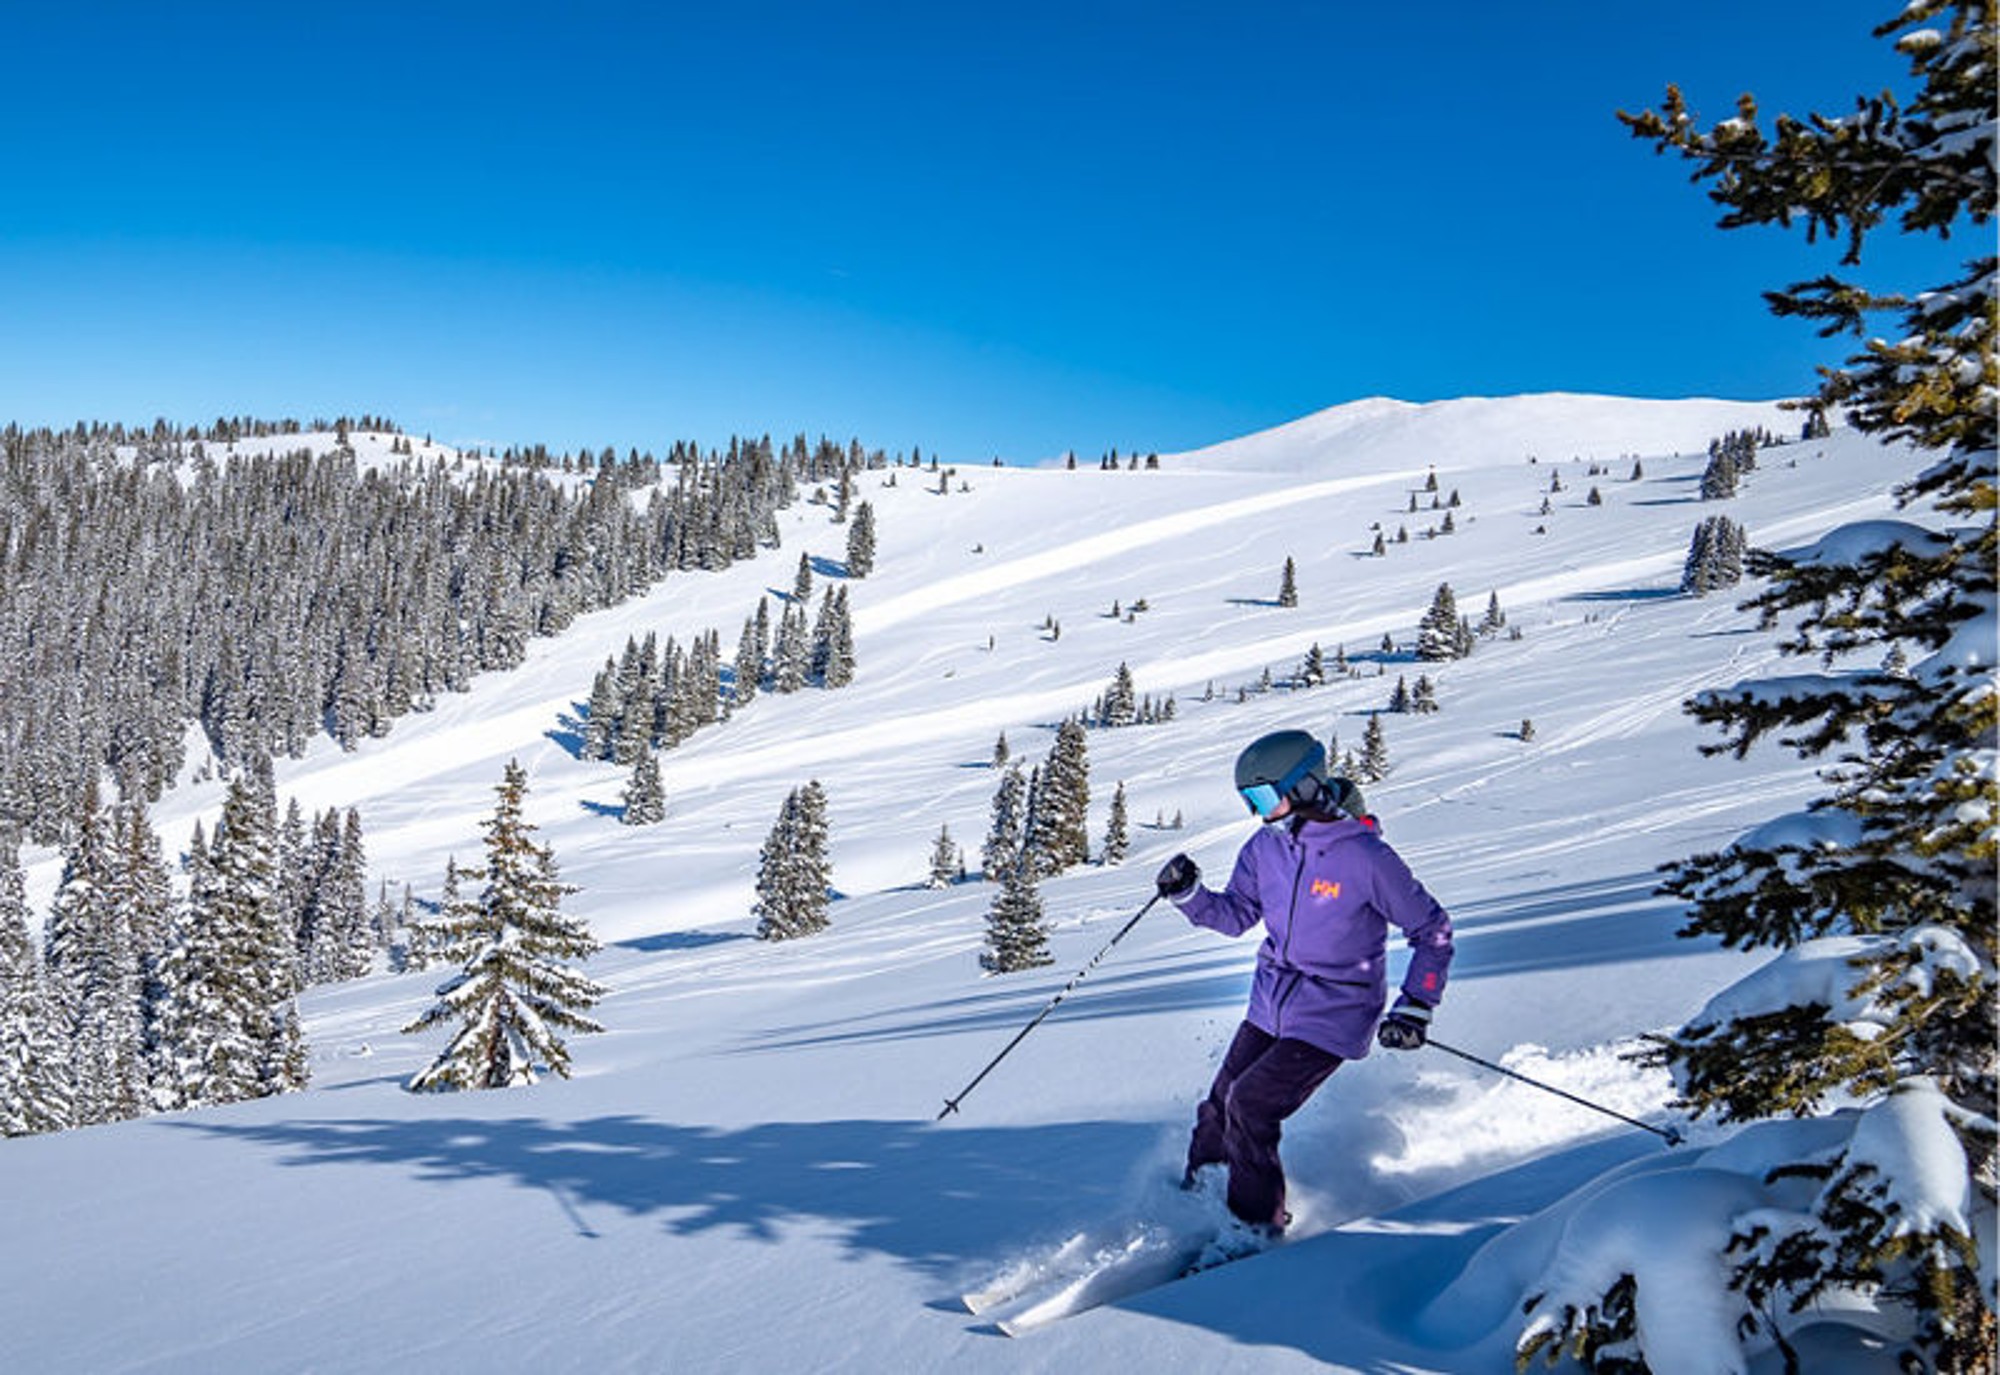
point(1672, 1137)
point(951, 1104)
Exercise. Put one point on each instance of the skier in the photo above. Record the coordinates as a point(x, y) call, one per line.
point(1327, 888)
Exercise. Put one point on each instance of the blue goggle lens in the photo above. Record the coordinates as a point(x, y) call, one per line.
point(1262, 798)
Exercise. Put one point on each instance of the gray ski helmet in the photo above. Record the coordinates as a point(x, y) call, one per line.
point(1277, 766)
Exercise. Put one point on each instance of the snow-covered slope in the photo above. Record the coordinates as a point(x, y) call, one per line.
point(745, 1174)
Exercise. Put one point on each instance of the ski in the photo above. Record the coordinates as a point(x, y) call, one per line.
point(1146, 1261)
point(1011, 1283)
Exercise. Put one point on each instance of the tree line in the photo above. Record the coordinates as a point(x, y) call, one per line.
point(153, 581)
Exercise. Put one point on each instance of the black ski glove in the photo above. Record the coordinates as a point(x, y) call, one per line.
point(1178, 878)
point(1406, 1026)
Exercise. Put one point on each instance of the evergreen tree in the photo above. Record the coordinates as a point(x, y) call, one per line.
point(861, 542)
point(1059, 809)
point(1715, 556)
point(802, 582)
point(1118, 829)
point(600, 724)
point(1888, 881)
point(95, 970)
point(944, 860)
point(645, 795)
point(1424, 700)
point(749, 664)
point(1374, 752)
point(1719, 478)
point(1495, 619)
point(516, 989)
point(34, 1051)
point(1000, 751)
point(794, 876)
point(1438, 632)
point(1006, 836)
point(792, 658)
point(225, 1029)
point(1288, 584)
point(1399, 700)
point(343, 937)
point(1017, 936)
point(1119, 706)
point(1312, 670)
point(833, 641)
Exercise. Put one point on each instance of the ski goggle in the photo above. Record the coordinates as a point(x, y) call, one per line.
point(1263, 798)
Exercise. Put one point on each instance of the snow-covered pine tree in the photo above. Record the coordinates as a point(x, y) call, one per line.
point(1312, 669)
point(749, 665)
point(944, 860)
point(639, 683)
point(861, 542)
point(1000, 751)
point(1288, 584)
point(1005, 834)
point(1118, 828)
point(802, 581)
point(34, 1051)
point(833, 651)
point(1719, 478)
point(1374, 759)
point(645, 797)
point(1437, 633)
point(95, 971)
point(1423, 700)
point(1715, 556)
point(517, 989)
point(1495, 619)
point(1399, 700)
point(600, 722)
point(1119, 706)
point(1017, 936)
point(225, 1031)
point(1059, 809)
point(792, 656)
point(794, 875)
point(339, 941)
point(1880, 898)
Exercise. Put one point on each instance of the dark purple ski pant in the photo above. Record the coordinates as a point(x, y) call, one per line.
point(1264, 1079)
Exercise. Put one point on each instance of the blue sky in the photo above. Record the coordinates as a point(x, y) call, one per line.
point(996, 230)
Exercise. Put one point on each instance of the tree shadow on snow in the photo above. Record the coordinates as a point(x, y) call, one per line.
point(567, 735)
point(1628, 594)
point(942, 1200)
point(679, 940)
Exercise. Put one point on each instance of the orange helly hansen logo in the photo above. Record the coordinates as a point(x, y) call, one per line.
point(1322, 888)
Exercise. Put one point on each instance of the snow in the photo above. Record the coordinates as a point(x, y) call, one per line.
point(745, 1173)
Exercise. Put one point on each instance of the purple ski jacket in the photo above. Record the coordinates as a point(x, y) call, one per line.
point(1327, 893)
